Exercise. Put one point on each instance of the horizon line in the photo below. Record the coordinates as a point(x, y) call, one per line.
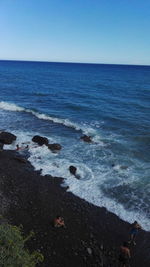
point(69, 62)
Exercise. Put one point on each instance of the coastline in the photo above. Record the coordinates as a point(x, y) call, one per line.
point(92, 236)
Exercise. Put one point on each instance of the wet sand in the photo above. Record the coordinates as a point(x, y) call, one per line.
point(92, 236)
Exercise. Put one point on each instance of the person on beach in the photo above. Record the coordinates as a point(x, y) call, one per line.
point(124, 255)
point(134, 231)
point(59, 222)
point(21, 147)
point(17, 147)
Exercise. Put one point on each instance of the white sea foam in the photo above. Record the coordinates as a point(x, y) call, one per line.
point(92, 177)
point(13, 107)
point(88, 187)
point(10, 106)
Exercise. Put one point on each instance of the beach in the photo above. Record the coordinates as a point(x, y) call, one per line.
point(92, 236)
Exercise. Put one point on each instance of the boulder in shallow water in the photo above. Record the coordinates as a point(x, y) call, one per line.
point(54, 147)
point(7, 138)
point(86, 138)
point(40, 140)
point(124, 167)
point(72, 169)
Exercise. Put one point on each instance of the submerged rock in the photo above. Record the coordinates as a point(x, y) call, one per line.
point(124, 167)
point(40, 140)
point(86, 138)
point(7, 138)
point(54, 147)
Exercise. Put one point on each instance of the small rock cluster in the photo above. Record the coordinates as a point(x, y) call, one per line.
point(44, 141)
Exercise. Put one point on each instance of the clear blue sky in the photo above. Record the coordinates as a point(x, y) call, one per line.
point(98, 31)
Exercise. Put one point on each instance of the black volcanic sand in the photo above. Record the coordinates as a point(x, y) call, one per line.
point(92, 236)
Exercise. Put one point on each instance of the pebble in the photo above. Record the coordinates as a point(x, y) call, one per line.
point(101, 247)
point(89, 250)
point(91, 235)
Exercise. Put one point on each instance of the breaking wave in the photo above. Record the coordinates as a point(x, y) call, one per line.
point(13, 107)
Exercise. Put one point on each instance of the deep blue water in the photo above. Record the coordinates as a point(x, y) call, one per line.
point(63, 101)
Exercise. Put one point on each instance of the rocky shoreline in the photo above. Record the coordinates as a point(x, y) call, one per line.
point(92, 236)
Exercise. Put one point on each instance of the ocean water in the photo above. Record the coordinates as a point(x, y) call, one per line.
point(63, 101)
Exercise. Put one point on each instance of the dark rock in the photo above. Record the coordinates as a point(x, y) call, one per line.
point(7, 138)
point(40, 140)
point(72, 170)
point(86, 138)
point(124, 167)
point(54, 147)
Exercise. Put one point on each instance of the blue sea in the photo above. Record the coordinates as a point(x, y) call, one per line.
point(64, 101)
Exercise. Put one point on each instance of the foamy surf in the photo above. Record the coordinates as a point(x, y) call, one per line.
point(92, 177)
point(10, 106)
point(87, 187)
point(15, 108)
